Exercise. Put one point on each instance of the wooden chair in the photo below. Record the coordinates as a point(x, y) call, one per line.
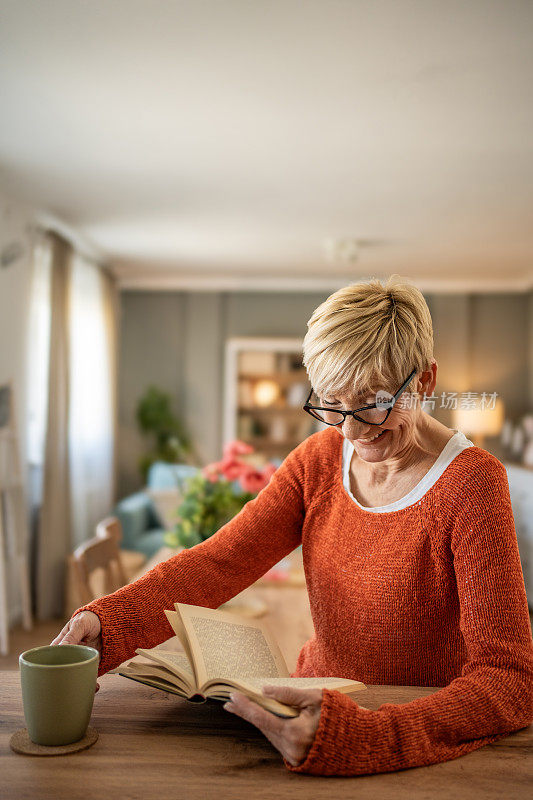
point(131, 560)
point(110, 525)
point(99, 566)
point(99, 553)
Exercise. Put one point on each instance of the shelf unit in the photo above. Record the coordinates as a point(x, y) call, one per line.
point(272, 426)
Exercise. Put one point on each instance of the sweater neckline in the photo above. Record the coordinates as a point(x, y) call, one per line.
point(453, 447)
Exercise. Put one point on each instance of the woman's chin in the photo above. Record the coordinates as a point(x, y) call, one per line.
point(373, 450)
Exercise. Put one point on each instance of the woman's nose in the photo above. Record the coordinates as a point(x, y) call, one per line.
point(353, 428)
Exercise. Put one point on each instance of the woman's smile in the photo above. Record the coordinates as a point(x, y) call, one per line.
point(376, 439)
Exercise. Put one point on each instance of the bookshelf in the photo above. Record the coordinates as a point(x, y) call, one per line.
point(266, 386)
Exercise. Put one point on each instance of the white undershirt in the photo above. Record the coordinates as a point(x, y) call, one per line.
point(455, 445)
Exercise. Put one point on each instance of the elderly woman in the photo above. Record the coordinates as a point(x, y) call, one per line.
point(409, 549)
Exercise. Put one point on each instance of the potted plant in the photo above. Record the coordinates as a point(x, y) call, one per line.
point(155, 417)
point(217, 493)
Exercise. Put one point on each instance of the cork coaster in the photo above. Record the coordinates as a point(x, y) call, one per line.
point(20, 742)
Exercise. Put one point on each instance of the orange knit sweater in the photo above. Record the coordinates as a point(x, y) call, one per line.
point(430, 595)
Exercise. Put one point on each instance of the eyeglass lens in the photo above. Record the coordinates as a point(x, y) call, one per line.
point(374, 415)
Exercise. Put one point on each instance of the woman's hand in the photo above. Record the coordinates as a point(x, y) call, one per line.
point(292, 737)
point(84, 628)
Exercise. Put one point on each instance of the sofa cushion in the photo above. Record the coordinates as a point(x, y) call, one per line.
point(162, 475)
point(151, 541)
point(166, 504)
point(136, 516)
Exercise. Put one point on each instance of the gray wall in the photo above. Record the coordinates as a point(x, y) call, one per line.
point(176, 340)
point(482, 343)
point(152, 333)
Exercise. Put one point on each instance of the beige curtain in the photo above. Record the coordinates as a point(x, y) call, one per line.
point(79, 472)
point(54, 530)
point(111, 316)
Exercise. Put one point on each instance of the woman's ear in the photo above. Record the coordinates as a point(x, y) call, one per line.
point(427, 380)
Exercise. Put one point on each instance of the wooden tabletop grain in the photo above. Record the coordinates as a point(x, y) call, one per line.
point(155, 745)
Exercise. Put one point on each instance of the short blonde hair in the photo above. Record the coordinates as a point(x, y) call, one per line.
point(368, 336)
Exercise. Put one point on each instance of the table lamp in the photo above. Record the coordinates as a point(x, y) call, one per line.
point(266, 392)
point(477, 423)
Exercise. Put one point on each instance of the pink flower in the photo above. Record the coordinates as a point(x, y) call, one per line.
point(268, 471)
point(212, 472)
point(232, 468)
point(252, 480)
point(229, 468)
point(236, 448)
point(211, 476)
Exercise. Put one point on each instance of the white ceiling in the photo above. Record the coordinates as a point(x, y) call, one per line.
point(217, 143)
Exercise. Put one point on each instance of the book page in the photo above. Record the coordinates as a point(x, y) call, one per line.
point(181, 634)
point(340, 684)
point(146, 668)
point(225, 645)
point(157, 683)
point(177, 663)
point(253, 687)
point(173, 645)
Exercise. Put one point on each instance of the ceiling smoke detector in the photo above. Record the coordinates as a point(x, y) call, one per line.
point(346, 250)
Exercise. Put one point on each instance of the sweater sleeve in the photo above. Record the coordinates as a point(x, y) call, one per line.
point(208, 574)
point(492, 697)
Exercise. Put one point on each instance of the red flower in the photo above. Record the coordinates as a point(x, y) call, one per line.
point(212, 472)
point(268, 471)
point(236, 448)
point(252, 480)
point(232, 468)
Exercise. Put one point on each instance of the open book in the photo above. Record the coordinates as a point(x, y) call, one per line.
point(220, 652)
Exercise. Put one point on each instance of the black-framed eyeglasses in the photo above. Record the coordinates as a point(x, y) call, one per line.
point(375, 414)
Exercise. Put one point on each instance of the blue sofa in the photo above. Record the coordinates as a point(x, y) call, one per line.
point(142, 528)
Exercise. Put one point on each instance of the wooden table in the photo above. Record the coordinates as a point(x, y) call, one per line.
point(155, 745)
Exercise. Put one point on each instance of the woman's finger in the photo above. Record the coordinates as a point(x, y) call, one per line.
point(291, 696)
point(75, 633)
point(254, 713)
point(61, 633)
point(278, 731)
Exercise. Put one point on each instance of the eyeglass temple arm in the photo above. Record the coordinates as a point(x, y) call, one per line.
point(401, 389)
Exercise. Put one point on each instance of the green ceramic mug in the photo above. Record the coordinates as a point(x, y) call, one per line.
point(58, 683)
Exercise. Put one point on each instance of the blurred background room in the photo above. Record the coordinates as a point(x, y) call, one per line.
point(182, 182)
